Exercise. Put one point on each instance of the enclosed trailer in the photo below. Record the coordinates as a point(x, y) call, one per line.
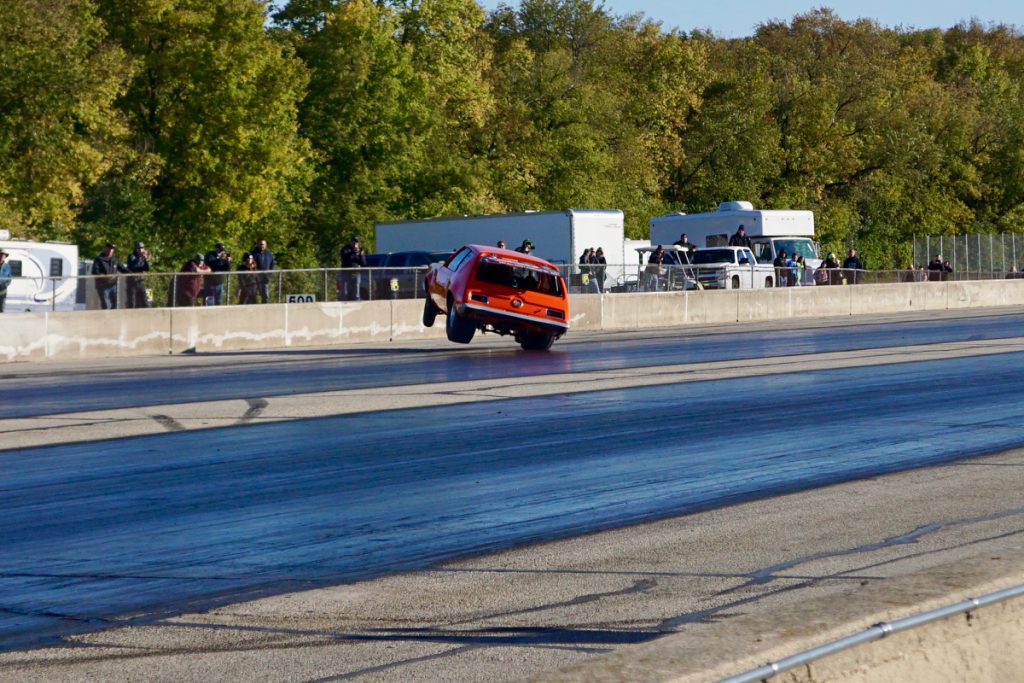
point(557, 236)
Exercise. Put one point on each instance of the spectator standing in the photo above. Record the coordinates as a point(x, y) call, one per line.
point(188, 287)
point(947, 269)
point(525, 248)
point(801, 271)
point(350, 279)
point(740, 239)
point(137, 266)
point(655, 269)
point(828, 271)
point(264, 262)
point(600, 267)
point(106, 267)
point(852, 264)
point(685, 243)
point(219, 261)
point(248, 280)
point(781, 269)
point(5, 278)
point(501, 244)
point(935, 268)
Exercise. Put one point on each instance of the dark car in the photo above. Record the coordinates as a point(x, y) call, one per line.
point(399, 274)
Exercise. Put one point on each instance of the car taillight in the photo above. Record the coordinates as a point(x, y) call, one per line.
point(476, 296)
point(552, 313)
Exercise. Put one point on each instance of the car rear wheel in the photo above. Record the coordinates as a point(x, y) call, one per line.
point(735, 281)
point(769, 282)
point(429, 312)
point(535, 341)
point(459, 329)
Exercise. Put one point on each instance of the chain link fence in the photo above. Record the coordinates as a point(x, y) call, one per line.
point(972, 257)
point(158, 290)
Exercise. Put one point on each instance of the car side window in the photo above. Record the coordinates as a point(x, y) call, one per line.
point(459, 259)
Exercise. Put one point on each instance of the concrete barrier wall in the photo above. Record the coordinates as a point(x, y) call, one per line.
point(99, 334)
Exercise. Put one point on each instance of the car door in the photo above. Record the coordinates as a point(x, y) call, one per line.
point(443, 276)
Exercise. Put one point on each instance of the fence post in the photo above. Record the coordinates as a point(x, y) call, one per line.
point(280, 280)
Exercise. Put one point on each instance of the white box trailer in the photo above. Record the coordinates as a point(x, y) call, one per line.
point(44, 275)
point(770, 231)
point(558, 236)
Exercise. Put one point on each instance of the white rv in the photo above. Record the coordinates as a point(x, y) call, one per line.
point(558, 236)
point(44, 274)
point(770, 231)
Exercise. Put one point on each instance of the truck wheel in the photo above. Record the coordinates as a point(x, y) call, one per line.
point(429, 312)
point(735, 281)
point(459, 329)
point(535, 341)
point(769, 283)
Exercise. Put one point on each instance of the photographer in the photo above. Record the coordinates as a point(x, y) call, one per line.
point(350, 281)
point(138, 263)
point(219, 261)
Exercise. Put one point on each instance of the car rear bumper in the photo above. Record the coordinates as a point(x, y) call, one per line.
point(512, 322)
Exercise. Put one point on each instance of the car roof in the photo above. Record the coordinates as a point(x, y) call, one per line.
point(511, 255)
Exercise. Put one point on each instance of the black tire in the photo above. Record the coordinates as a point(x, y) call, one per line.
point(769, 283)
point(459, 329)
point(429, 313)
point(535, 341)
point(735, 281)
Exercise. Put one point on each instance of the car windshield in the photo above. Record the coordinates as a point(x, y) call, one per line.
point(375, 260)
point(523, 278)
point(712, 256)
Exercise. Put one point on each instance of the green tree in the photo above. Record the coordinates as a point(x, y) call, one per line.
point(59, 128)
point(213, 112)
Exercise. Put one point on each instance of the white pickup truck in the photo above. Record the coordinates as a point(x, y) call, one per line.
point(731, 268)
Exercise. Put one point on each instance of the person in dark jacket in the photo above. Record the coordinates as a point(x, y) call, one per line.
point(829, 271)
point(781, 264)
point(740, 239)
point(106, 266)
point(248, 280)
point(264, 262)
point(685, 243)
point(219, 261)
point(350, 280)
point(600, 267)
point(852, 264)
point(137, 265)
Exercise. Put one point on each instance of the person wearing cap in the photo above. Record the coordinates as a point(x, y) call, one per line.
point(106, 267)
point(137, 265)
point(525, 248)
point(188, 287)
point(219, 261)
point(5, 278)
point(740, 238)
point(350, 280)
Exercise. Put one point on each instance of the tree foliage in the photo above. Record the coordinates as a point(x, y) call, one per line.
point(184, 122)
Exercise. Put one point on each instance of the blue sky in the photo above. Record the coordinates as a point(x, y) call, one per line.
point(737, 18)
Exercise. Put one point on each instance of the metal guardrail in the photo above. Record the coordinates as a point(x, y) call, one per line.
point(373, 284)
point(876, 632)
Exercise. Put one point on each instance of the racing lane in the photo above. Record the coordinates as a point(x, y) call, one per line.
point(173, 521)
point(286, 372)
